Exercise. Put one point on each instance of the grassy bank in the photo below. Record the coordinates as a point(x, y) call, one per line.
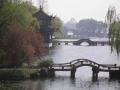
point(18, 74)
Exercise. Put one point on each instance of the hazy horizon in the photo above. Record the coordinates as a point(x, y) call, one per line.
point(80, 9)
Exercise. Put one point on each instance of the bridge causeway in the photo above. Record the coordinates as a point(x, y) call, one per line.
point(78, 42)
point(114, 71)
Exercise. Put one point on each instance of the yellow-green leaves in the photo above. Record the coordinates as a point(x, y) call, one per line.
point(114, 35)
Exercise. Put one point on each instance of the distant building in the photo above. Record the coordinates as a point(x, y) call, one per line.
point(70, 33)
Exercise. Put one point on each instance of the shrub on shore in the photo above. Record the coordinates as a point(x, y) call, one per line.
point(45, 63)
point(16, 74)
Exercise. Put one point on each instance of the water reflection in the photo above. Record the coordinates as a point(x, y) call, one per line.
point(99, 54)
point(62, 83)
point(83, 80)
point(7, 85)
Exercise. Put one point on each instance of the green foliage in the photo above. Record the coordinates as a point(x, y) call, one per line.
point(16, 74)
point(114, 29)
point(30, 7)
point(57, 26)
point(11, 75)
point(19, 40)
point(114, 35)
point(45, 63)
point(10, 86)
point(16, 13)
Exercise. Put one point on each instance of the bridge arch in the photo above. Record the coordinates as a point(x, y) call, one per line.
point(90, 42)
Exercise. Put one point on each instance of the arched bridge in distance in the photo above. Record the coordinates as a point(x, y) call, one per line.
point(114, 71)
point(80, 41)
point(90, 42)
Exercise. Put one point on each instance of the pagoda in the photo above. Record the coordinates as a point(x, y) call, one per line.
point(44, 21)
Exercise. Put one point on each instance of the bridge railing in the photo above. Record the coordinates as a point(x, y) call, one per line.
point(111, 65)
point(85, 62)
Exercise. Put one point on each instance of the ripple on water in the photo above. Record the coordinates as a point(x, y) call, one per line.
point(62, 81)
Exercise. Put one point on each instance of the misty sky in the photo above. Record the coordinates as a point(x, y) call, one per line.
point(81, 9)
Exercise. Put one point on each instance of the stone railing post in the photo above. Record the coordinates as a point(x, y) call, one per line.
point(73, 70)
point(95, 73)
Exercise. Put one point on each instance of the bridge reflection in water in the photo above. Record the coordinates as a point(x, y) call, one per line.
point(80, 41)
point(114, 71)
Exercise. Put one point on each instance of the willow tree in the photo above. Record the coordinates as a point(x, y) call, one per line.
point(114, 35)
point(110, 17)
point(113, 26)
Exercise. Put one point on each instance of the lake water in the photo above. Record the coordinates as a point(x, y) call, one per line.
point(83, 80)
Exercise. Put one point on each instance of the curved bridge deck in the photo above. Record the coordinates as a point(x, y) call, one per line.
point(84, 62)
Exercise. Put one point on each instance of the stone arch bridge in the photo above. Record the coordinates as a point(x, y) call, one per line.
point(80, 41)
point(113, 69)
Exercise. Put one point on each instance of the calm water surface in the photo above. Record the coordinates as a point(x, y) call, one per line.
point(62, 81)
